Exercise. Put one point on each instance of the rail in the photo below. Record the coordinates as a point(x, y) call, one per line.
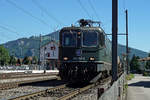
point(73, 92)
point(76, 92)
point(10, 85)
point(32, 95)
point(13, 76)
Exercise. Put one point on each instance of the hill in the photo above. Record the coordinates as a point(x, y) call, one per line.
point(132, 51)
point(30, 46)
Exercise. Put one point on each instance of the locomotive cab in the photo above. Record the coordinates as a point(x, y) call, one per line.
point(83, 53)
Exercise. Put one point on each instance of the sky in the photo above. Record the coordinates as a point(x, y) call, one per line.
point(25, 18)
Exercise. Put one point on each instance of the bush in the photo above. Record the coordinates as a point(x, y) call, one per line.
point(130, 76)
point(146, 74)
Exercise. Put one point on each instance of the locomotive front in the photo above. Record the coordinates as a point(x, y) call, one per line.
point(80, 53)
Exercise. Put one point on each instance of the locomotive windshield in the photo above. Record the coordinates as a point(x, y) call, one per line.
point(90, 38)
point(69, 39)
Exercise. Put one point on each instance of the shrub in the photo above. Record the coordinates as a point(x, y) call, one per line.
point(130, 76)
point(146, 74)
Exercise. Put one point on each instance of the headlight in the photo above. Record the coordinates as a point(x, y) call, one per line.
point(79, 33)
point(92, 58)
point(65, 58)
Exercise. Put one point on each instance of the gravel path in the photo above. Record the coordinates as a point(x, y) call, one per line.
point(139, 88)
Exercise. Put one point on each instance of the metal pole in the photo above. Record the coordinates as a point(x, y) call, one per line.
point(40, 51)
point(114, 39)
point(127, 50)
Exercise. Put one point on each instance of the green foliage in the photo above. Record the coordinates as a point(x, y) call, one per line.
point(137, 57)
point(12, 60)
point(4, 56)
point(147, 66)
point(26, 61)
point(126, 86)
point(129, 77)
point(134, 63)
point(35, 60)
point(148, 54)
point(146, 74)
point(29, 46)
point(19, 61)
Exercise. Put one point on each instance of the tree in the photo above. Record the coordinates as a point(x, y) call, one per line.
point(34, 60)
point(19, 61)
point(147, 66)
point(148, 54)
point(12, 60)
point(4, 56)
point(26, 60)
point(134, 63)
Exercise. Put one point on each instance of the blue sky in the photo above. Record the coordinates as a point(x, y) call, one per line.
point(24, 18)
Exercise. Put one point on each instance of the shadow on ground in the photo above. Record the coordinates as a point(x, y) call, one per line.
point(44, 83)
point(141, 84)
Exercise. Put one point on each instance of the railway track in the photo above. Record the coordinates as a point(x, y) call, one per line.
point(39, 93)
point(57, 93)
point(62, 92)
point(15, 84)
point(30, 89)
point(75, 92)
point(23, 75)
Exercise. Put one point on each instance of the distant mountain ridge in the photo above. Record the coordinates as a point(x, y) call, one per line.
point(30, 46)
point(132, 51)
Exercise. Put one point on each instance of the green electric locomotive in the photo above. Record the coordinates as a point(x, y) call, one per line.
point(84, 52)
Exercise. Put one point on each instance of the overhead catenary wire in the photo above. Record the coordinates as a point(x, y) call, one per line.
point(8, 29)
point(86, 11)
point(124, 5)
point(26, 12)
point(46, 12)
point(94, 10)
point(6, 37)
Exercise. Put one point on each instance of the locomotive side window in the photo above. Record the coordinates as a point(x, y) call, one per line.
point(102, 39)
point(69, 39)
point(90, 38)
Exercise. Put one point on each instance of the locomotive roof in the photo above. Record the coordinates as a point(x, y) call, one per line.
point(83, 28)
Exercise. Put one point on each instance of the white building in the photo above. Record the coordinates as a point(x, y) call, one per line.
point(49, 55)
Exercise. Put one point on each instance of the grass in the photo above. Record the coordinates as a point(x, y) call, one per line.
point(126, 86)
point(129, 77)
